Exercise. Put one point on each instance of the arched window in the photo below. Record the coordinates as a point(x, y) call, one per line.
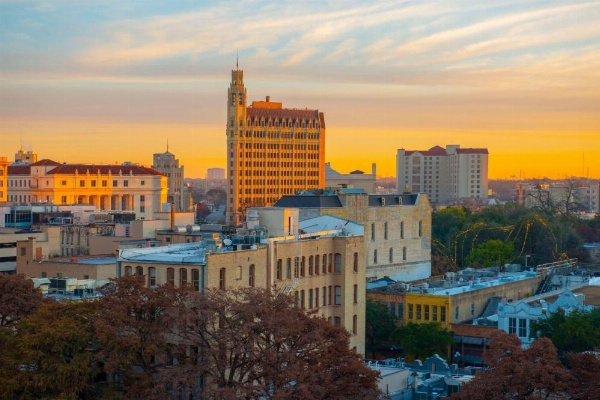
point(139, 271)
point(128, 270)
point(171, 276)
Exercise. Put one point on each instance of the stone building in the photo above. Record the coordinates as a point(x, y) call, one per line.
point(323, 268)
point(397, 227)
point(178, 192)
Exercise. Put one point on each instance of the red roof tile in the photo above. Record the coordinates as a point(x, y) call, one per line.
point(69, 169)
point(45, 161)
point(19, 169)
point(472, 151)
point(434, 151)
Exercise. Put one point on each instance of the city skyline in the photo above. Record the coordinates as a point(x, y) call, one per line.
point(97, 84)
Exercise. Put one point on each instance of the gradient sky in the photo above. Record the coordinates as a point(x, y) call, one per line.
point(112, 81)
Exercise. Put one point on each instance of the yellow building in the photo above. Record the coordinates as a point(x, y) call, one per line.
point(271, 150)
point(108, 187)
point(3, 179)
point(454, 300)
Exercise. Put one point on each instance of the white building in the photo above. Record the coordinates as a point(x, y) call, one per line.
point(445, 175)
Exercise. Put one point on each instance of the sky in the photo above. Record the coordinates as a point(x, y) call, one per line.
point(114, 81)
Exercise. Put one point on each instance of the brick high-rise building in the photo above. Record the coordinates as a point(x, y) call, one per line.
point(271, 150)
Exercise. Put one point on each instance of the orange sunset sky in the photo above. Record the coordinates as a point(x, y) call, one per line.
point(106, 82)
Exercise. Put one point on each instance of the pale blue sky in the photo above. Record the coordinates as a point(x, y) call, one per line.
point(507, 75)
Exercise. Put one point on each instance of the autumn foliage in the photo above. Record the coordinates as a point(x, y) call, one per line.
point(167, 342)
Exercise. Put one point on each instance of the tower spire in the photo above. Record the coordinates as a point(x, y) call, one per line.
point(167, 145)
point(237, 59)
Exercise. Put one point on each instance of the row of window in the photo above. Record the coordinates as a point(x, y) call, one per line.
point(317, 265)
point(518, 326)
point(390, 255)
point(182, 278)
point(424, 312)
point(401, 229)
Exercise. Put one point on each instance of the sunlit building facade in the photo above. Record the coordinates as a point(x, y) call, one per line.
point(107, 187)
point(178, 193)
point(3, 179)
point(445, 175)
point(271, 150)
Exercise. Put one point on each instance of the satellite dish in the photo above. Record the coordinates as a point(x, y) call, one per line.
point(227, 242)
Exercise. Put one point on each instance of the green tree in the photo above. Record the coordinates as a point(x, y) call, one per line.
point(421, 340)
point(491, 253)
point(379, 325)
point(447, 222)
point(18, 299)
point(577, 332)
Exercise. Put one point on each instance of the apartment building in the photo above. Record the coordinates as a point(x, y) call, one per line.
point(445, 175)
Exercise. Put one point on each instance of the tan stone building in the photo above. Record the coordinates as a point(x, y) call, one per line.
point(178, 193)
point(397, 227)
point(107, 187)
point(271, 150)
point(323, 269)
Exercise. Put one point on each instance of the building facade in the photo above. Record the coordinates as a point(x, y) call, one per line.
point(178, 193)
point(445, 175)
point(3, 179)
point(107, 187)
point(271, 150)
point(323, 269)
point(397, 228)
point(215, 174)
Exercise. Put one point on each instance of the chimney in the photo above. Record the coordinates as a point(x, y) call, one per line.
point(172, 216)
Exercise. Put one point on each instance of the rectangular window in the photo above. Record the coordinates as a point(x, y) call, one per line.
point(317, 297)
point(182, 277)
point(126, 183)
point(279, 272)
point(410, 311)
point(426, 316)
point(310, 299)
point(63, 183)
point(385, 231)
point(330, 290)
point(93, 183)
point(152, 276)
point(104, 183)
point(393, 308)
point(442, 314)
point(472, 309)
point(512, 325)
point(196, 279)
point(375, 256)
point(338, 263)
point(302, 299)
point(115, 183)
point(171, 276)
point(401, 229)
point(222, 277)
point(296, 267)
point(420, 228)
point(338, 295)
point(288, 268)
point(418, 312)
point(82, 183)
point(456, 314)
point(354, 324)
point(522, 327)
point(401, 310)
point(63, 199)
point(434, 313)
point(355, 294)
point(372, 231)
point(324, 303)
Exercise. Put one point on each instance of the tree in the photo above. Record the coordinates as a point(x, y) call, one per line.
point(584, 369)
point(491, 253)
point(256, 344)
point(514, 373)
point(54, 347)
point(137, 332)
point(202, 211)
point(217, 196)
point(577, 332)
point(421, 340)
point(379, 325)
point(18, 299)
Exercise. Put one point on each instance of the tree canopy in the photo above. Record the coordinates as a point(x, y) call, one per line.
point(380, 324)
point(421, 340)
point(155, 343)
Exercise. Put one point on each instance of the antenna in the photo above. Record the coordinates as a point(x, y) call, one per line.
point(237, 59)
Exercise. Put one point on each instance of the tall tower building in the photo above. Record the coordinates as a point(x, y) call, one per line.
point(168, 165)
point(271, 150)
